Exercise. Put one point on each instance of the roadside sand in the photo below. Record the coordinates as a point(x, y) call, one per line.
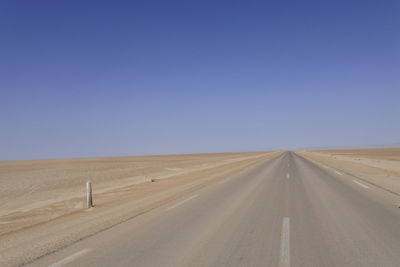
point(379, 166)
point(26, 185)
point(41, 228)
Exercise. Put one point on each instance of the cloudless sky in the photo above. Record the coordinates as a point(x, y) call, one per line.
point(107, 78)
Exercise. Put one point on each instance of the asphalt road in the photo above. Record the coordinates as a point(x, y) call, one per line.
point(288, 211)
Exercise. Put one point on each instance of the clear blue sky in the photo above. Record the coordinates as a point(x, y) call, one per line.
point(106, 78)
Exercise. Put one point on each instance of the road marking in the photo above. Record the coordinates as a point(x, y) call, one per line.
point(71, 257)
point(284, 259)
point(180, 203)
point(363, 185)
point(287, 175)
point(339, 173)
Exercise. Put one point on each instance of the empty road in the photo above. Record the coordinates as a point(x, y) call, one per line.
point(288, 211)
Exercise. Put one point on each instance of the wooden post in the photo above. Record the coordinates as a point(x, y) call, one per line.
point(89, 199)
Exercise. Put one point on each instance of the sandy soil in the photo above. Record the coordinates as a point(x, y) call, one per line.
point(42, 201)
point(26, 185)
point(378, 166)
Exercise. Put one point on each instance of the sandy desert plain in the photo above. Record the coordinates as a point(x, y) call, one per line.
point(42, 202)
point(377, 166)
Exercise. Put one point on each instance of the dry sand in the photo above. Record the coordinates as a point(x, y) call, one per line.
point(26, 185)
point(378, 166)
point(42, 201)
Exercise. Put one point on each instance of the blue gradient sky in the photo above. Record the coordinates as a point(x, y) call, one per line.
point(104, 78)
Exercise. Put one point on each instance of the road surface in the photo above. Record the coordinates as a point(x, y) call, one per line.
point(288, 211)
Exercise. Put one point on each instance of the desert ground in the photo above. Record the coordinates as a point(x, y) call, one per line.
point(43, 201)
point(148, 202)
point(378, 166)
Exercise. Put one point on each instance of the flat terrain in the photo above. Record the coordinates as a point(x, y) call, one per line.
point(42, 202)
point(288, 211)
point(375, 153)
point(309, 208)
point(380, 167)
point(40, 182)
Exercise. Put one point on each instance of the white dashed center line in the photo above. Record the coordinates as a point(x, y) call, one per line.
point(284, 259)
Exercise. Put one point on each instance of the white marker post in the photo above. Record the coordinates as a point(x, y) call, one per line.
point(89, 200)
